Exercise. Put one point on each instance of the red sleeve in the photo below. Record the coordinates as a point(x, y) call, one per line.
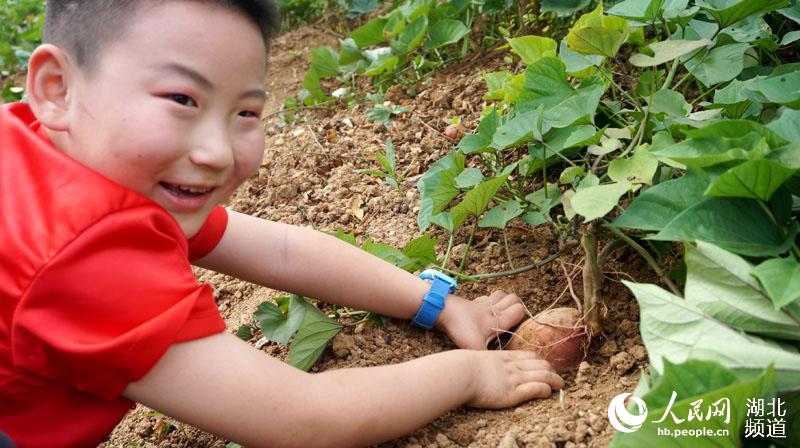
point(209, 235)
point(103, 311)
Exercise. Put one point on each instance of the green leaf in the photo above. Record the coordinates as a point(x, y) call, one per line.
point(721, 65)
point(570, 174)
point(787, 125)
point(578, 108)
point(388, 161)
point(311, 83)
point(637, 10)
point(545, 198)
point(370, 33)
point(496, 83)
point(532, 48)
point(437, 186)
point(521, 129)
point(788, 156)
point(387, 253)
point(738, 128)
point(469, 178)
point(325, 61)
point(655, 207)
point(483, 136)
point(595, 202)
point(780, 278)
point(781, 89)
point(728, 12)
point(697, 387)
point(719, 283)
point(245, 332)
point(501, 214)
point(792, 12)
point(668, 50)
point(275, 325)
point(445, 32)
point(477, 199)
point(676, 330)
point(756, 179)
point(411, 36)
point(563, 8)
point(596, 41)
point(638, 169)
point(349, 238)
point(576, 64)
point(721, 142)
point(381, 61)
point(535, 218)
point(545, 84)
point(735, 224)
point(444, 220)
point(422, 250)
point(313, 336)
point(671, 103)
point(571, 136)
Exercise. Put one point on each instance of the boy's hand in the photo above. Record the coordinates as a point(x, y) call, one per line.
point(506, 378)
point(472, 324)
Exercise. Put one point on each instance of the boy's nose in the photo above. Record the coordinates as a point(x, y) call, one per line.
point(214, 150)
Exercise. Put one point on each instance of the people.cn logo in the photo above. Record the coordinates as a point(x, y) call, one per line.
point(621, 419)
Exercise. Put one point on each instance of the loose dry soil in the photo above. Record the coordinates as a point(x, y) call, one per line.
point(307, 178)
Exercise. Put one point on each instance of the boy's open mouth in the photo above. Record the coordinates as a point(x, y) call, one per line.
point(185, 190)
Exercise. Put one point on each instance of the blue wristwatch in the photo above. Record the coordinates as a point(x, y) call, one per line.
point(433, 302)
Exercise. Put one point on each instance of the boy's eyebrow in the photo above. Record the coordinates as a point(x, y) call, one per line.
point(203, 81)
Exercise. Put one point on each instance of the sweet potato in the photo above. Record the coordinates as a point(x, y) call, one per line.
point(557, 335)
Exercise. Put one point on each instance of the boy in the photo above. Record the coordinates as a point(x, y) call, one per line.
point(143, 116)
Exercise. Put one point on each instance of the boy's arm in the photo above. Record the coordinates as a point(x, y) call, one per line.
point(311, 263)
point(221, 384)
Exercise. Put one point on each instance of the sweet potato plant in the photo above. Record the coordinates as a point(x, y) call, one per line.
point(687, 111)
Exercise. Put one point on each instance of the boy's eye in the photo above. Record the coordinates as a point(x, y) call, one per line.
point(183, 100)
point(249, 114)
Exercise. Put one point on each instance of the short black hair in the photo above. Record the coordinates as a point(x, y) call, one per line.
point(84, 27)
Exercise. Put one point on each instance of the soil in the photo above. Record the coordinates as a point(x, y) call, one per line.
point(307, 178)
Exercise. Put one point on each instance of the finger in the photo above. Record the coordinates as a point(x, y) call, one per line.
point(506, 301)
point(534, 390)
point(535, 364)
point(511, 316)
point(544, 376)
point(496, 296)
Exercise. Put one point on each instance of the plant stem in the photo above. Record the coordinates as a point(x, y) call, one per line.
point(671, 75)
point(476, 277)
point(610, 79)
point(592, 281)
point(772, 217)
point(508, 252)
point(648, 258)
point(447, 252)
point(469, 244)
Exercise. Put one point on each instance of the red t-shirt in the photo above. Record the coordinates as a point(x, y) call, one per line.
point(95, 285)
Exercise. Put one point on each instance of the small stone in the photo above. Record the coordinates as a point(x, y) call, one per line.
point(509, 440)
point(584, 372)
point(443, 441)
point(629, 328)
point(342, 344)
point(638, 352)
point(581, 431)
point(609, 348)
point(622, 362)
point(481, 423)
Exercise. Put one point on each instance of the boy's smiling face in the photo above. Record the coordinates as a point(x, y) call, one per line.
point(172, 109)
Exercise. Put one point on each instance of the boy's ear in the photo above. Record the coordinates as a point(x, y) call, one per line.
point(48, 86)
